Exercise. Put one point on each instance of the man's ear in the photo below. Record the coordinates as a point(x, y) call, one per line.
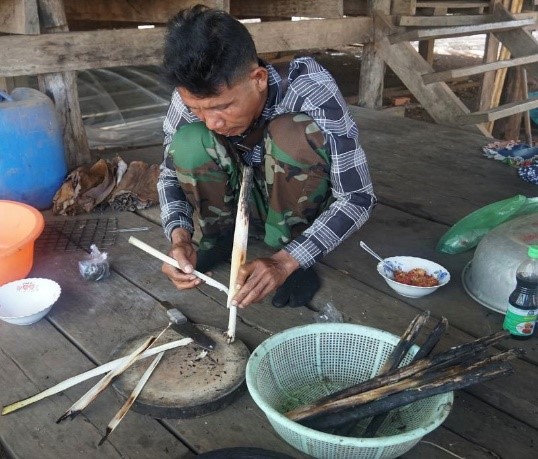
point(260, 76)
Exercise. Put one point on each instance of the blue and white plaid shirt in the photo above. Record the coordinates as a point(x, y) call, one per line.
point(313, 91)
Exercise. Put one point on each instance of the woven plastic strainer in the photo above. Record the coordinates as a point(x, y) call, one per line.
point(302, 364)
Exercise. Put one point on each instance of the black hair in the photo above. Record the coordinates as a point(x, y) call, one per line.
point(206, 49)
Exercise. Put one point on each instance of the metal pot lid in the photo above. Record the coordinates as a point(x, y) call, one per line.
point(491, 276)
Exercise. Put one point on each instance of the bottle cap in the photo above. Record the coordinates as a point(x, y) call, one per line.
point(533, 251)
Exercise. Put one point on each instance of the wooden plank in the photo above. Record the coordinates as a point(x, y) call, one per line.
point(287, 8)
point(133, 11)
point(19, 17)
point(429, 191)
point(453, 20)
point(518, 42)
point(454, 4)
point(459, 31)
point(400, 7)
point(502, 111)
point(509, 127)
point(437, 98)
point(477, 69)
point(31, 55)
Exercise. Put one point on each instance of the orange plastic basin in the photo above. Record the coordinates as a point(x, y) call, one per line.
point(20, 226)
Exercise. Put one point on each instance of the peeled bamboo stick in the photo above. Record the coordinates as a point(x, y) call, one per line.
point(239, 251)
point(131, 399)
point(70, 382)
point(161, 256)
point(92, 394)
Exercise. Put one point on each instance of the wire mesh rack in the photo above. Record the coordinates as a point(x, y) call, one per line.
point(77, 234)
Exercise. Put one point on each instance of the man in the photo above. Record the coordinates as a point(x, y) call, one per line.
point(312, 187)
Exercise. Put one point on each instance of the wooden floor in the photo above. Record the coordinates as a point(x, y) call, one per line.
point(426, 177)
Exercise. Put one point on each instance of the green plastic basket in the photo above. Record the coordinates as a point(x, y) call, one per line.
point(303, 364)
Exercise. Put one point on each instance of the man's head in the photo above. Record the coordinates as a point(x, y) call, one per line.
point(211, 59)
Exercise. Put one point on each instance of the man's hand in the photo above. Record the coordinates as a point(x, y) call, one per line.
point(183, 252)
point(258, 278)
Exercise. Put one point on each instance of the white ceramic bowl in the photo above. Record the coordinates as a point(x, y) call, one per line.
point(25, 301)
point(406, 264)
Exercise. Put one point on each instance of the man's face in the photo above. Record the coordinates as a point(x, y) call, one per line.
point(233, 110)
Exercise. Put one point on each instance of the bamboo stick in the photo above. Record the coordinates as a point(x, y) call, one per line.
point(526, 115)
point(393, 361)
point(421, 381)
point(463, 353)
point(239, 251)
point(70, 382)
point(131, 399)
point(92, 394)
point(161, 256)
point(400, 399)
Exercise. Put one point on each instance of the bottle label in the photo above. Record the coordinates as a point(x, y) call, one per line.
point(520, 322)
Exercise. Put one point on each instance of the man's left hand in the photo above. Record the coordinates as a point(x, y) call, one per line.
point(258, 278)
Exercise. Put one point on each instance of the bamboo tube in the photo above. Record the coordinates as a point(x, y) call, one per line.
point(161, 256)
point(239, 251)
point(526, 115)
point(131, 399)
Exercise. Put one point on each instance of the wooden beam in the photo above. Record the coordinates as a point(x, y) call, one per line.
point(400, 7)
point(476, 69)
point(19, 17)
point(437, 98)
point(288, 8)
point(132, 11)
point(458, 31)
point(61, 87)
point(455, 4)
point(32, 55)
point(372, 74)
point(454, 20)
point(501, 111)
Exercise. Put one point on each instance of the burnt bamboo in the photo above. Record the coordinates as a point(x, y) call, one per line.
point(406, 341)
point(239, 250)
point(397, 400)
point(393, 361)
point(425, 350)
point(418, 380)
point(455, 355)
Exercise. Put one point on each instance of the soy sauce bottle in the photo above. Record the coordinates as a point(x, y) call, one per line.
point(521, 315)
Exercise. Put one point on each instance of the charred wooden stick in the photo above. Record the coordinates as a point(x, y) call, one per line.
point(92, 394)
point(418, 380)
point(239, 251)
point(393, 361)
point(406, 397)
point(131, 399)
point(406, 341)
point(466, 352)
point(424, 351)
point(432, 340)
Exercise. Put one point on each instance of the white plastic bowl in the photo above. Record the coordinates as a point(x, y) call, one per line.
point(25, 301)
point(406, 264)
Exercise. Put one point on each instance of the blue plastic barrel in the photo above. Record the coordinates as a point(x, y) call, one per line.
point(32, 159)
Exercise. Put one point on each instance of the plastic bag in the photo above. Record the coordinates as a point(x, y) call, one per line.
point(328, 314)
point(467, 233)
point(95, 267)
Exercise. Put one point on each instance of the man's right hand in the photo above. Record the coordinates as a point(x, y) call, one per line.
point(183, 252)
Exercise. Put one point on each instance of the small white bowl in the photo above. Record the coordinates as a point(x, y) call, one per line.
point(25, 301)
point(407, 264)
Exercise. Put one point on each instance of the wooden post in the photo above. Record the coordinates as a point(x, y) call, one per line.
point(372, 67)
point(62, 89)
